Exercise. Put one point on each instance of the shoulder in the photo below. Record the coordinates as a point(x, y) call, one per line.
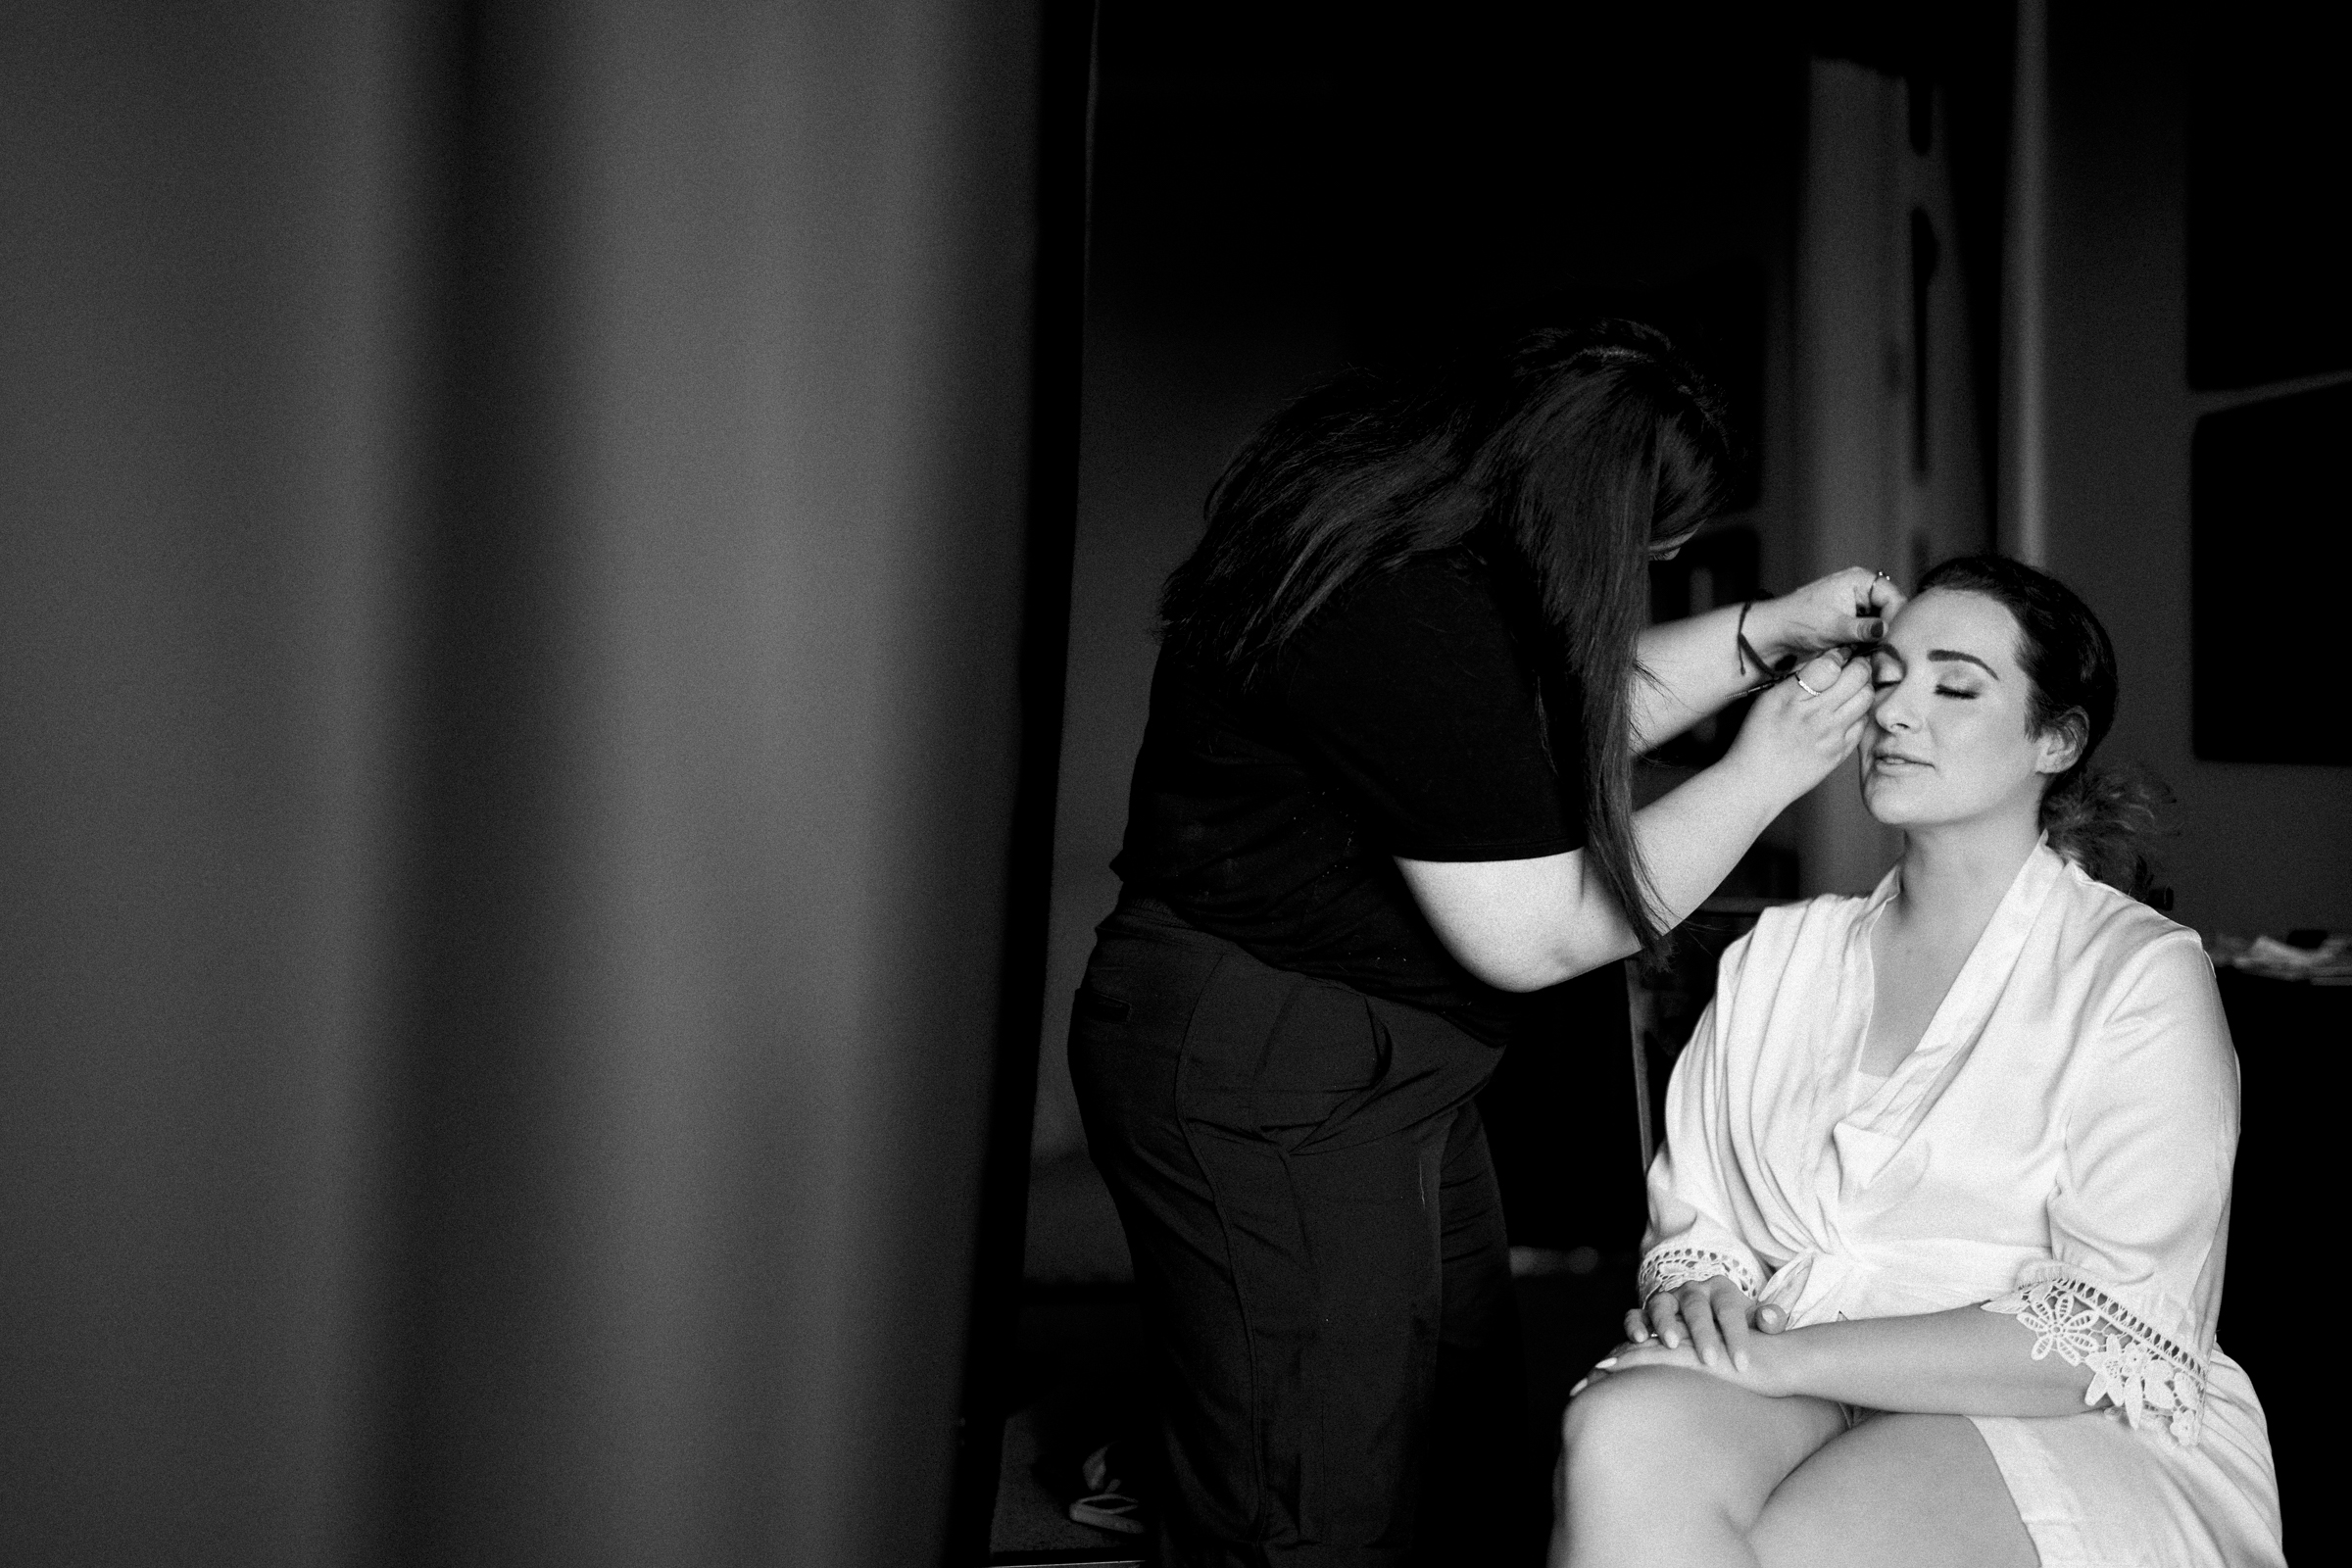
point(1791, 928)
point(2120, 945)
point(1439, 621)
point(1786, 936)
point(1454, 585)
point(2152, 1002)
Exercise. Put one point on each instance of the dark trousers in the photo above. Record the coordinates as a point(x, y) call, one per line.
point(1319, 1254)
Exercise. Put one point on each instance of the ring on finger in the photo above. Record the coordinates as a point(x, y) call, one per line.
point(1807, 690)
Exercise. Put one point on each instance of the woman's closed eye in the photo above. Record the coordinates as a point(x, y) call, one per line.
point(1885, 677)
point(1890, 682)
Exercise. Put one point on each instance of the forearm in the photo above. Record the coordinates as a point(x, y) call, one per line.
point(1523, 925)
point(1695, 834)
point(1526, 924)
point(1692, 669)
point(1690, 839)
point(1966, 1361)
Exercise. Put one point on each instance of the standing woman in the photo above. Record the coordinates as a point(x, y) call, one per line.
point(1380, 809)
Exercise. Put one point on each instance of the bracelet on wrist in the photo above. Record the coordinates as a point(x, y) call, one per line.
point(1746, 653)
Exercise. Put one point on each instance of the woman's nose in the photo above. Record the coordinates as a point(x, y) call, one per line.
point(1894, 709)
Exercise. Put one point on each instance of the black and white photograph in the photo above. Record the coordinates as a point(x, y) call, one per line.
point(1130, 784)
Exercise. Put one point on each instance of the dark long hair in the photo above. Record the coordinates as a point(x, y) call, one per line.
point(1568, 456)
point(2097, 817)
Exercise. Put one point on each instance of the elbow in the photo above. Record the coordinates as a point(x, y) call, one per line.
point(1517, 925)
point(1522, 969)
point(1522, 979)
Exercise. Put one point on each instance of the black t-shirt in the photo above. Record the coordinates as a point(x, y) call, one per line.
point(1407, 718)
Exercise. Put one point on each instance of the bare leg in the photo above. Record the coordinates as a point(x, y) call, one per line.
point(1664, 1467)
point(1897, 1491)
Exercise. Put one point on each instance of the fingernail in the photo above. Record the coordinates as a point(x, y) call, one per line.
point(1606, 1360)
point(1580, 1387)
point(1741, 1361)
point(1874, 629)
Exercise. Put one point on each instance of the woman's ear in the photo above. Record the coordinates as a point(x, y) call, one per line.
point(2061, 746)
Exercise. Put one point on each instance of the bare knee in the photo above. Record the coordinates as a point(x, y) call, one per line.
point(1663, 1465)
point(1611, 1414)
point(1630, 1428)
point(1654, 1427)
point(1620, 1442)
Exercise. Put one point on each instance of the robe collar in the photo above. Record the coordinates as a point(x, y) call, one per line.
point(1870, 1136)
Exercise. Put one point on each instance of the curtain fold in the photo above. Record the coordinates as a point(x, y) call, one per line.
point(511, 541)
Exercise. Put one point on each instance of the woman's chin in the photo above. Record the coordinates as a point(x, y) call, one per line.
point(1896, 800)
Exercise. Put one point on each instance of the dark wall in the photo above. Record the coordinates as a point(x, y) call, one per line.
point(2260, 847)
point(510, 566)
point(1284, 189)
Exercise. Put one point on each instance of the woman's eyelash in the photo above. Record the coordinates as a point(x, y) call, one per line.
point(1940, 691)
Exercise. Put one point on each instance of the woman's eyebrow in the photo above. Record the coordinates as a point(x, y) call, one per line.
point(1947, 655)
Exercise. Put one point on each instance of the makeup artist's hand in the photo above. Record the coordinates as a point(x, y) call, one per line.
point(1846, 607)
point(1798, 730)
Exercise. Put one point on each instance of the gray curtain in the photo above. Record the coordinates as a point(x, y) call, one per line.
point(510, 567)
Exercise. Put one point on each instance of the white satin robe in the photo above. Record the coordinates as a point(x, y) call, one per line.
point(2058, 1145)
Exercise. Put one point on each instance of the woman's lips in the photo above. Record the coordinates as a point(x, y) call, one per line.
point(1891, 758)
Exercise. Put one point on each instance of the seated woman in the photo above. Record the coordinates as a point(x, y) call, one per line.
point(1946, 1166)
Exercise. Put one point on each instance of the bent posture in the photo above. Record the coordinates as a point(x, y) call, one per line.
point(1382, 808)
point(1961, 1151)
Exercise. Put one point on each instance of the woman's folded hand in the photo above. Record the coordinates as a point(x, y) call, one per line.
point(1714, 1317)
point(1710, 1326)
point(1757, 1370)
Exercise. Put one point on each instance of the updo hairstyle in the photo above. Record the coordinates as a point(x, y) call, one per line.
point(2096, 817)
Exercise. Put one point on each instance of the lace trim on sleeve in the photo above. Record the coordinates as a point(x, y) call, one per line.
point(1669, 1268)
point(2147, 1374)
